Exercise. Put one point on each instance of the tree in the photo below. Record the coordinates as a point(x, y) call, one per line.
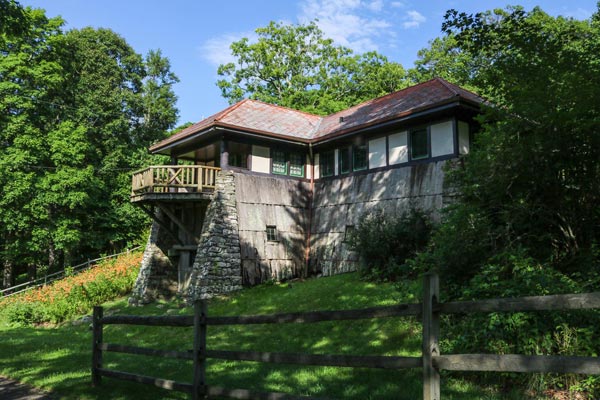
point(78, 110)
point(528, 221)
point(295, 66)
point(538, 166)
point(445, 59)
point(13, 20)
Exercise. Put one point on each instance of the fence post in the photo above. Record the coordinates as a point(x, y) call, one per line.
point(97, 342)
point(431, 330)
point(199, 382)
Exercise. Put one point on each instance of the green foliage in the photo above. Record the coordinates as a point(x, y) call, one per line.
point(74, 294)
point(527, 220)
point(386, 241)
point(77, 112)
point(295, 66)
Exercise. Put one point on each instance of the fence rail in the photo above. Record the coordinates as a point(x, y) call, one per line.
point(22, 287)
point(173, 179)
point(431, 361)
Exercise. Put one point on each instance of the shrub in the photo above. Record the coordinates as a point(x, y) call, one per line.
point(73, 295)
point(384, 242)
point(515, 274)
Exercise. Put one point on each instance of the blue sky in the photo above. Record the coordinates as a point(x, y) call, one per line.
point(195, 34)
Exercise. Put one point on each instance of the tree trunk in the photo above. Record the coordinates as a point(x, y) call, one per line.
point(8, 274)
point(31, 272)
point(52, 256)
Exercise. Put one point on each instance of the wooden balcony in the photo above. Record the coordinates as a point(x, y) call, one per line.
point(173, 182)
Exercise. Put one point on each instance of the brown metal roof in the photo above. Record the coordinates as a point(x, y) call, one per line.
point(272, 120)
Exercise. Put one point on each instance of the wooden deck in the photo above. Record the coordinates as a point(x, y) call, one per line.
point(173, 183)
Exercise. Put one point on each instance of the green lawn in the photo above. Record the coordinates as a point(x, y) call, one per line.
point(58, 359)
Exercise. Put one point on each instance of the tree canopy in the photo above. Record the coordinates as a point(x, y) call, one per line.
point(296, 66)
point(77, 112)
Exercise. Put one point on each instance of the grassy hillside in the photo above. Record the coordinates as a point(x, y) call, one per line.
point(59, 358)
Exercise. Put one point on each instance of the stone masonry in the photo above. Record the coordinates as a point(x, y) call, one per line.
point(217, 267)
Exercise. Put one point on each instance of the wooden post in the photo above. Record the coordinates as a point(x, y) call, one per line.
point(224, 162)
point(96, 343)
point(199, 380)
point(431, 331)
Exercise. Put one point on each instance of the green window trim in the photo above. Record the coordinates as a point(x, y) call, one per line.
point(296, 165)
point(279, 163)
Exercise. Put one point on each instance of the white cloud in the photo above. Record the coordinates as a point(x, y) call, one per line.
point(397, 4)
point(375, 5)
point(216, 50)
point(353, 23)
point(413, 19)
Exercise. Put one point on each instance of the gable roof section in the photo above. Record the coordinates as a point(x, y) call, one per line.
point(254, 116)
point(424, 96)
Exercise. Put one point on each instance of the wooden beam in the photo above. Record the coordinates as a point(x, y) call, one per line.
point(384, 362)
point(243, 394)
point(165, 320)
point(530, 303)
point(224, 151)
point(144, 351)
point(518, 363)
point(162, 224)
point(199, 377)
point(177, 221)
point(96, 345)
point(399, 310)
point(431, 332)
point(148, 380)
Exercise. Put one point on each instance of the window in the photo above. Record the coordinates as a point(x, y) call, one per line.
point(287, 163)
point(344, 160)
point(296, 165)
point(279, 163)
point(418, 144)
point(359, 159)
point(238, 154)
point(272, 233)
point(348, 233)
point(327, 163)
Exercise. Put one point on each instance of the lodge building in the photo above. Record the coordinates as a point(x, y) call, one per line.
point(259, 192)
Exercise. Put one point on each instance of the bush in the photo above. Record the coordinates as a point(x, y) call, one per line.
point(515, 274)
point(385, 242)
point(73, 295)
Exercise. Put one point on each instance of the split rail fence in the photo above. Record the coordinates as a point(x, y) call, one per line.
point(431, 360)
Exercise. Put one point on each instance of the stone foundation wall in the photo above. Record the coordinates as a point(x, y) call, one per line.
point(217, 267)
point(234, 249)
point(340, 202)
point(284, 203)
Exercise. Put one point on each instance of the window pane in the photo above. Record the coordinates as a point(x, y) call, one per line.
point(360, 157)
point(272, 233)
point(279, 163)
point(238, 154)
point(418, 144)
point(344, 160)
point(296, 165)
point(327, 163)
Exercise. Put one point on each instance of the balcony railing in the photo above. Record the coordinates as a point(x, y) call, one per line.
point(174, 179)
